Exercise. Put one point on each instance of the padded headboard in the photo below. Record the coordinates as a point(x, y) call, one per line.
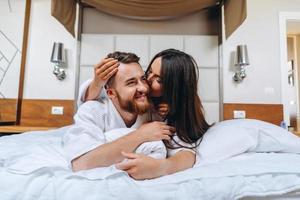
point(203, 48)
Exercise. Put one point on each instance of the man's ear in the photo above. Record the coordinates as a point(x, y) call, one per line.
point(111, 93)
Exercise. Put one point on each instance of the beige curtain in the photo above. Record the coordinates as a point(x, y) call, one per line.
point(235, 15)
point(65, 10)
point(150, 9)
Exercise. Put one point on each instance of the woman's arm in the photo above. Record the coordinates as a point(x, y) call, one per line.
point(105, 69)
point(144, 167)
point(180, 161)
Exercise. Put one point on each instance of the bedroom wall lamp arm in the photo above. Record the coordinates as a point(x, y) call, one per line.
point(242, 60)
point(58, 58)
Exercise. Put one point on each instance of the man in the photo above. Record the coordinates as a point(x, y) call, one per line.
point(127, 106)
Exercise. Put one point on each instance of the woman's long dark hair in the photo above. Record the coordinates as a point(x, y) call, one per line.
point(179, 74)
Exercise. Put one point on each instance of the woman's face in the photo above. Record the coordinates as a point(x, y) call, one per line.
point(154, 79)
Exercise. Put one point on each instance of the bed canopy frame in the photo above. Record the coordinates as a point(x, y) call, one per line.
point(234, 10)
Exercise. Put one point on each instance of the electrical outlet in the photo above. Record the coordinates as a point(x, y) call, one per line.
point(239, 114)
point(57, 110)
point(269, 90)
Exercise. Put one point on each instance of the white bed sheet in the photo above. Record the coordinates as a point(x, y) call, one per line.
point(32, 166)
point(295, 195)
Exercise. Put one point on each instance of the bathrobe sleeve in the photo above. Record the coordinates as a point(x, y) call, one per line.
point(87, 132)
point(155, 149)
point(178, 148)
point(82, 91)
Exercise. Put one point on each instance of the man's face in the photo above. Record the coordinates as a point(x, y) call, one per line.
point(131, 88)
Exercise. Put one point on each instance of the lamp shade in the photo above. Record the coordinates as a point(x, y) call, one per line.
point(242, 55)
point(58, 54)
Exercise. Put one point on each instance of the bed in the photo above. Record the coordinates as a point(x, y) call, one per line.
point(266, 165)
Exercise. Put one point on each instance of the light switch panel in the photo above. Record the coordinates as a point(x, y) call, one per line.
point(239, 114)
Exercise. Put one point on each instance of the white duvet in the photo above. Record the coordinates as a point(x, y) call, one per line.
point(33, 166)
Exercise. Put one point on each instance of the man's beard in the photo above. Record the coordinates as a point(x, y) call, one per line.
point(132, 106)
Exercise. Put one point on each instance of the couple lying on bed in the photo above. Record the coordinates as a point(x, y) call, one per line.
point(160, 112)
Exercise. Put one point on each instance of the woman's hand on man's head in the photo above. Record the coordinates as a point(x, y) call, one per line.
point(105, 69)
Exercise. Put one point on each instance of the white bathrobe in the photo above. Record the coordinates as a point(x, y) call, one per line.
point(96, 123)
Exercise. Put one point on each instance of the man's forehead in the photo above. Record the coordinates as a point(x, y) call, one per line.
point(130, 70)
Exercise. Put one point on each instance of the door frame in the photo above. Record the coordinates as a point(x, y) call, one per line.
point(283, 18)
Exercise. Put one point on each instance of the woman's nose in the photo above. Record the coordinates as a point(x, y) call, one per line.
point(149, 79)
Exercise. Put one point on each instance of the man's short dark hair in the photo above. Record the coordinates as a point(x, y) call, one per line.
point(122, 57)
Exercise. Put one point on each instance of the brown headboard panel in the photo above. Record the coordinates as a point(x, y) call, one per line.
point(272, 113)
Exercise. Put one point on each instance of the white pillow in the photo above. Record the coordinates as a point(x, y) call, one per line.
point(224, 140)
point(232, 137)
point(271, 138)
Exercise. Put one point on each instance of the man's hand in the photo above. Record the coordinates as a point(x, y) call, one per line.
point(163, 110)
point(154, 131)
point(141, 167)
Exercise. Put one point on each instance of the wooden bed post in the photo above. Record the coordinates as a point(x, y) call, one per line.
point(23, 60)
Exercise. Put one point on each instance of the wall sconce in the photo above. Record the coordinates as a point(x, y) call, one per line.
point(58, 58)
point(242, 60)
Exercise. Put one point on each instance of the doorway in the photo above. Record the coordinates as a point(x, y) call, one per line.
point(289, 24)
point(293, 58)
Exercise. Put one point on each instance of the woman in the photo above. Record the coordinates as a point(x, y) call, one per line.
point(172, 77)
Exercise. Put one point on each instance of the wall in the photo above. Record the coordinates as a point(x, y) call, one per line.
point(11, 29)
point(260, 32)
point(44, 30)
point(40, 83)
point(42, 90)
